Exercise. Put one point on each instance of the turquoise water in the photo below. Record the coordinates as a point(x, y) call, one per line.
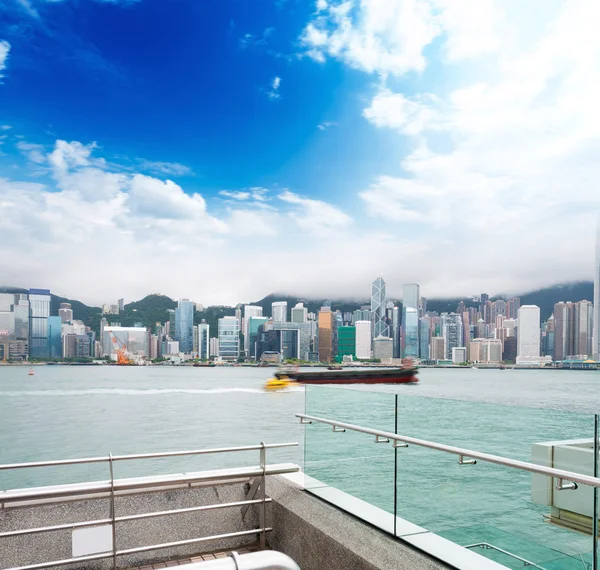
point(64, 412)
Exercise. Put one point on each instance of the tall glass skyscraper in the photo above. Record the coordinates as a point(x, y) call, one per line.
point(229, 338)
point(424, 337)
point(55, 337)
point(596, 335)
point(411, 332)
point(184, 325)
point(380, 327)
point(203, 340)
point(39, 311)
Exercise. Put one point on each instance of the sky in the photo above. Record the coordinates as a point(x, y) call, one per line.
point(222, 150)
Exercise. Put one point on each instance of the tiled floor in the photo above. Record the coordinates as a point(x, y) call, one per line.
point(198, 558)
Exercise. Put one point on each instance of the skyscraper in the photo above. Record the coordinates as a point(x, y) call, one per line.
point(424, 337)
point(363, 339)
point(65, 313)
point(528, 339)
point(380, 327)
point(410, 337)
point(452, 331)
point(584, 328)
point(250, 311)
point(252, 325)
point(39, 311)
point(229, 338)
point(279, 311)
point(203, 340)
point(410, 295)
point(299, 313)
point(326, 322)
point(121, 305)
point(184, 325)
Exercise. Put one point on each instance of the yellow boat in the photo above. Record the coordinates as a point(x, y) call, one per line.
point(279, 383)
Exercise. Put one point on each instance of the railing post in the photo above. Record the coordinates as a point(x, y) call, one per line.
point(112, 511)
point(263, 496)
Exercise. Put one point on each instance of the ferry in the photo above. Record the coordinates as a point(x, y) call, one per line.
point(407, 374)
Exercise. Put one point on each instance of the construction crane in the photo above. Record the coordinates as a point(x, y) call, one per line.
point(120, 349)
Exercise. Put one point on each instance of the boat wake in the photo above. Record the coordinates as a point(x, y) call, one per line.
point(136, 391)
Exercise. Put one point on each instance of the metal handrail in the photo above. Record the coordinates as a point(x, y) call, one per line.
point(108, 458)
point(109, 488)
point(462, 453)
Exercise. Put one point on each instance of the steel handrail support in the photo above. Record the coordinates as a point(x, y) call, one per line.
point(263, 496)
point(113, 512)
point(487, 457)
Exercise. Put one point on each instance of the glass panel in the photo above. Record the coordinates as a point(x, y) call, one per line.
point(344, 467)
point(515, 518)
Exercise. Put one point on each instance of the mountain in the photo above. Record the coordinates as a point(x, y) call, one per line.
point(154, 308)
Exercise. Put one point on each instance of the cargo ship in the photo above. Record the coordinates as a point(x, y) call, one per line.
point(287, 377)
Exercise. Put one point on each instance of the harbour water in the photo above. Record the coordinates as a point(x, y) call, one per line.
point(74, 411)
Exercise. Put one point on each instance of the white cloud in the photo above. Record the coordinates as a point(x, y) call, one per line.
point(33, 152)
point(5, 127)
point(245, 223)
point(164, 168)
point(314, 215)
point(236, 194)
point(325, 125)
point(273, 93)
point(4, 50)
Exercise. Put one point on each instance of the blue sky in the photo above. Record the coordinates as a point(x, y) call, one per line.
point(224, 149)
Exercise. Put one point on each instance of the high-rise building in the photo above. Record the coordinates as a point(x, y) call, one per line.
point(396, 330)
point(253, 324)
point(39, 311)
point(250, 311)
point(203, 340)
point(184, 325)
point(528, 343)
point(229, 338)
point(452, 331)
point(459, 355)
point(383, 348)
point(304, 337)
point(299, 313)
point(410, 295)
point(380, 327)
point(279, 311)
point(548, 337)
point(196, 340)
point(584, 328)
point(509, 354)
point(346, 342)
point(325, 331)
point(214, 346)
point(485, 350)
point(438, 348)
point(573, 329)
point(512, 307)
point(483, 300)
point(65, 312)
point(410, 337)
point(363, 339)
point(55, 337)
point(424, 338)
point(121, 305)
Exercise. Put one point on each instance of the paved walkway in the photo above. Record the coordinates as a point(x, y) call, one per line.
point(198, 558)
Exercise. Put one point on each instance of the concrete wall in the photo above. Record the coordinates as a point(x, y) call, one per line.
point(319, 536)
point(57, 545)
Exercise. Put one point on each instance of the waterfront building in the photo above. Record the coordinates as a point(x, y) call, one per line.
point(459, 355)
point(279, 311)
point(196, 341)
point(121, 305)
point(250, 311)
point(397, 331)
point(509, 353)
point(184, 325)
point(305, 336)
point(346, 342)
point(528, 343)
point(155, 345)
point(363, 339)
point(65, 312)
point(383, 348)
point(253, 324)
point(55, 337)
point(486, 350)
point(203, 339)
point(584, 328)
point(548, 337)
point(410, 295)
point(76, 345)
point(410, 336)
point(229, 338)
point(325, 333)
point(39, 311)
point(380, 327)
point(299, 313)
point(438, 348)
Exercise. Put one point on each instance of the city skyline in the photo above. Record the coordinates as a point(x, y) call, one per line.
point(311, 137)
